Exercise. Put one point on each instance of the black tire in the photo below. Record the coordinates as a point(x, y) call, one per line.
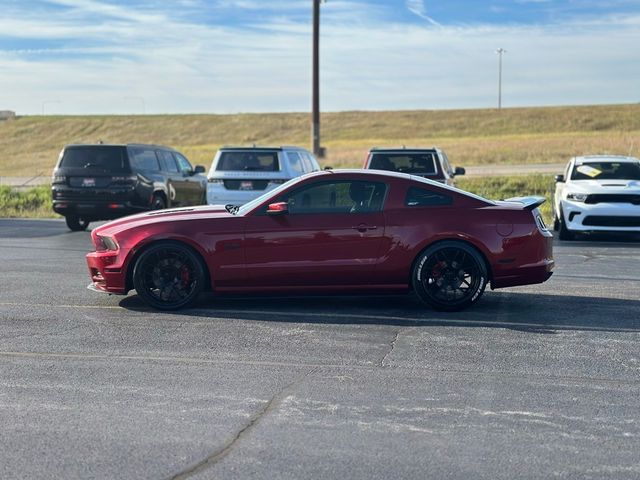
point(76, 223)
point(563, 232)
point(158, 202)
point(168, 276)
point(450, 276)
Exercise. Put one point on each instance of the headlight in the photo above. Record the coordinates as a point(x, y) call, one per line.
point(577, 197)
point(105, 243)
point(58, 179)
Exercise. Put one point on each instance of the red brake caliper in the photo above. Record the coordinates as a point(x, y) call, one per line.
point(184, 276)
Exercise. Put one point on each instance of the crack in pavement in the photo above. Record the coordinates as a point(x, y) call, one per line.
point(392, 345)
point(222, 452)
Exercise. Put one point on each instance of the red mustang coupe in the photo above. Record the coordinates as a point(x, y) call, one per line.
point(329, 232)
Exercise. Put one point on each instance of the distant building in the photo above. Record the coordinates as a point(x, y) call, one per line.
point(7, 114)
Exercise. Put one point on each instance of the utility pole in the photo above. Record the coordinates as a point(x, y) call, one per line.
point(315, 107)
point(500, 51)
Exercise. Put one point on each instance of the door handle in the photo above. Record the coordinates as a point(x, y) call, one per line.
point(363, 227)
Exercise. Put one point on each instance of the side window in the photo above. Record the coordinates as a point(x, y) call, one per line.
point(183, 163)
point(311, 163)
point(338, 197)
point(144, 159)
point(446, 166)
point(167, 162)
point(295, 162)
point(421, 197)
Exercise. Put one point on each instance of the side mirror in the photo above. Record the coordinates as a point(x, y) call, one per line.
point(198, 169)
point(459, 171)
point(278, 208)
point(559, 178)
point(328, 168)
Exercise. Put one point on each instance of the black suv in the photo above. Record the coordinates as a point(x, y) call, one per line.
point(429, 163)
point(103, 182)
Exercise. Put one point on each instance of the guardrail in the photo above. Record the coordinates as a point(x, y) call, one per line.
point(25, 182)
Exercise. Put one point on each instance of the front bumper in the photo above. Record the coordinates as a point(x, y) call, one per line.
point(107, 275)
point(603, 217)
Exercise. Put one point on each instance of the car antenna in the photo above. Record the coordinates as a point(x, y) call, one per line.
point(631, 148)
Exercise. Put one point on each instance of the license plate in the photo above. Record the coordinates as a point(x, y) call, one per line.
point(88, 182)
point(246, 185)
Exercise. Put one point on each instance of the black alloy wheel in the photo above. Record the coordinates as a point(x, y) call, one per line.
point(76, 223)
point(450, 276)
point(158, 202)
point(168, 276)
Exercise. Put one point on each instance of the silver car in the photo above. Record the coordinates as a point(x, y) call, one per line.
point(240, 174)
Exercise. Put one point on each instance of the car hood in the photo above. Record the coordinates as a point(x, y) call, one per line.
point(161, 216)
point(605, 186)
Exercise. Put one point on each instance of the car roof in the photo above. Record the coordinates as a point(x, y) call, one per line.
point(404, 149)
point(261, 148)
point(75, 145)
point(600, 158)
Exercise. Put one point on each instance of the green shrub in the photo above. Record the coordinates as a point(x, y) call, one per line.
point(26, 203)
point(500, 188)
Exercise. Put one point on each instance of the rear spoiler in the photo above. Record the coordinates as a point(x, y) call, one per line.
point(528, 203)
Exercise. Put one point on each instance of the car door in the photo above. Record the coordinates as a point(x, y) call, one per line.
point(174, 178)
point(331, 235)
point(191, 186)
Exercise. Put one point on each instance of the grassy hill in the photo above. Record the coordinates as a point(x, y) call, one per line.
point(30, 145)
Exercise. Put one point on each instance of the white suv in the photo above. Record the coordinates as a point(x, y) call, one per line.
point(240, 174)
point(597, 193)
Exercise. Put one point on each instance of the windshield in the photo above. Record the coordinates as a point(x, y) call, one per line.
point(105, 158)
point(606, 171)
point(255, 161)
point(413, 163)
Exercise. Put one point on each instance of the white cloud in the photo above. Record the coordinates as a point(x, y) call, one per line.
point(418, 7)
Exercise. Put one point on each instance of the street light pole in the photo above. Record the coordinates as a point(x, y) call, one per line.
point(500, 51)
point(315, 107)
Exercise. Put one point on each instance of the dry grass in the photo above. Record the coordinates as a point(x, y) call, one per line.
point(30, 145)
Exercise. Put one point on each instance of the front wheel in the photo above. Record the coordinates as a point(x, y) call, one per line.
point(168, 276)
point(563, 232)
point(449, 276)
point(76, 223)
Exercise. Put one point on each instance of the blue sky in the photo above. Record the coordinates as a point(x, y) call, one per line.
point(223, 56)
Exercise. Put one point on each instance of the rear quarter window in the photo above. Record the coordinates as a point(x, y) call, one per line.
point(144, 159)
point(248, 161)
point(108, 159)
point(422, 197)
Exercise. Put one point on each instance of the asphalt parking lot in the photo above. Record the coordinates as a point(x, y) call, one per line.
point(532, 382)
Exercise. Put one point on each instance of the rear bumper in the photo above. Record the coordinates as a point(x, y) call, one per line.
point(218, 195)
point(526, 275)
point(96, 204)
point(533, 262)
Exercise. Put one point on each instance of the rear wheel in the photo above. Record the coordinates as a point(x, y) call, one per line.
point(158, 202)
point(168, 276)
point(76, 223)
point(450, 276)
